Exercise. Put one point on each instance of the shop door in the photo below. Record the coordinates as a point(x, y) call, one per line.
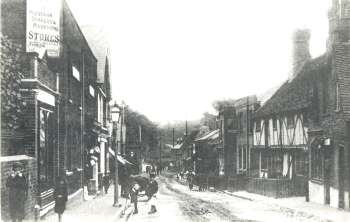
point(327, 174)
point(46, 155)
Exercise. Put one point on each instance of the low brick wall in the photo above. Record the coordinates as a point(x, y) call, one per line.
point(30, 173)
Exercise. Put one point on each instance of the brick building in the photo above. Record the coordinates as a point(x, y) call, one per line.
point(329, 138)
point(54, 89)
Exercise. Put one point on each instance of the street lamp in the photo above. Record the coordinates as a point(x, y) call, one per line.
point(115, 114)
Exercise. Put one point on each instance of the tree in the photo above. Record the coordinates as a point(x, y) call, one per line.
point(220, 104)
point(136, 123)
point(12, 103)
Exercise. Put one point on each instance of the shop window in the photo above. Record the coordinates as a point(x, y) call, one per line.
point(276, 165)
point(272, 164)
point(316, 162)
point(242, 157)
point(69, 148)
point(301, 163)
point(46, 149)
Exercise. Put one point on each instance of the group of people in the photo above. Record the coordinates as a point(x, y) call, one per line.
point(17, 186)
point(193, 179)
point(154, 168)
point(150, 191)
point(18, 192)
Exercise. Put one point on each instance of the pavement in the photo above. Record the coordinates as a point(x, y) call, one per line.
point(94, 208)
point(297, 206)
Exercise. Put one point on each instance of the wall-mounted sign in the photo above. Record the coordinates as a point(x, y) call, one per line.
point(327, 142)
point(43, 27)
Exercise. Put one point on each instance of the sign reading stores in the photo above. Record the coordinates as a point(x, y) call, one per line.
point(43, 27)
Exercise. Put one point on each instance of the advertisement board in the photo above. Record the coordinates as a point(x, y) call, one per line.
point(43, 27)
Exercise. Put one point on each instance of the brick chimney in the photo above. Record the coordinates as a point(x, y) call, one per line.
point(339, 23)
point(301, 53)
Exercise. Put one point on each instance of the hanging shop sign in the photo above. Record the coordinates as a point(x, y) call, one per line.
point(43, 27)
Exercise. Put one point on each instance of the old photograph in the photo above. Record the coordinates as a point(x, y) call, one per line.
point(175, 110)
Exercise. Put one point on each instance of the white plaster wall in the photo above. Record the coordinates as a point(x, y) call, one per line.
point(316, 192)
point(334, 197)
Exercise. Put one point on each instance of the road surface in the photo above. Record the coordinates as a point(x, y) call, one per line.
point(175, 202)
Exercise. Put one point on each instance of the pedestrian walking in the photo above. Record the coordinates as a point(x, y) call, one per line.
point(190, 178)
point(61, 196)
point(152, 189)
point(133, 195)
point(18, 187)
point(106, 182)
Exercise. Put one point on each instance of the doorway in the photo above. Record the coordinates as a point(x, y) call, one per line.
point(341, 173)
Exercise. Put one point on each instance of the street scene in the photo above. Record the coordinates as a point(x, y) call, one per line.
point(187, 110)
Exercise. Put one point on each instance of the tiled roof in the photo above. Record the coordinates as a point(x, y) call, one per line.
point(99, 43)
point(297, 93)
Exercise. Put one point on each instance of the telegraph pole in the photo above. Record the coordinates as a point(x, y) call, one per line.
point(160, 152)
point(174, 147)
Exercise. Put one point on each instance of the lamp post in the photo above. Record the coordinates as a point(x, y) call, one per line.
point(115, 114)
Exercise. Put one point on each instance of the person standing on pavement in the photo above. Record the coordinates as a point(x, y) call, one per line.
point(133, 195)
point(61, 196)
point(106, 182)
point(190, 180)
point(152, 189)
point(17, 185)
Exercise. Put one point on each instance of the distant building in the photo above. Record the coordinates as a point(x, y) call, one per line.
point(98, 97)
point(235, 129)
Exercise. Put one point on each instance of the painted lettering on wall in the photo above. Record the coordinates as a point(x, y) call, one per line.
point(43, 27)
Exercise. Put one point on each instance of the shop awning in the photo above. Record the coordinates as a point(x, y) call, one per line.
point(120, 159)
point(209, 136)
point(176, 147)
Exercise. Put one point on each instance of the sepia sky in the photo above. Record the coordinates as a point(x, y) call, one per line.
point(171, 59)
